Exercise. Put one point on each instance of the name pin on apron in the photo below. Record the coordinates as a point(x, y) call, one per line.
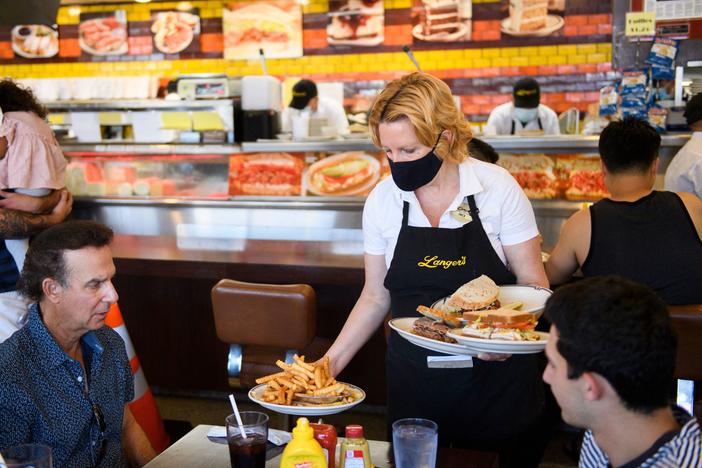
point(461, 214)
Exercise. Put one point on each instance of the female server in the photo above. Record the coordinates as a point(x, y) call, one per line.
point(408, 226)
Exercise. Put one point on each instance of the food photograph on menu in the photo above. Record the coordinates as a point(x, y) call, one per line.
point(103, 33)
point(356, 22)
point(271, 174)
point(353, 173)
point(176, 31)
point(533, 18)
point(534, 173)
point(34, 41)
point(272, 26)
point(442, 20)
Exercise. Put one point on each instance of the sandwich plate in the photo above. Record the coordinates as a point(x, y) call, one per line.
point(533, 298)
point(403, 326)
point(501, 346)
point(256, 393)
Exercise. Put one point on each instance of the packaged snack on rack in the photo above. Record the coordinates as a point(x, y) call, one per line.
point(633, 82)
point(609, 99)
point(657, 117)
point(635, 105)
point(662, 73)
point(663, 52)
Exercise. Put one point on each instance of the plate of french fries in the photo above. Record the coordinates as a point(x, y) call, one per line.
point(305, 389)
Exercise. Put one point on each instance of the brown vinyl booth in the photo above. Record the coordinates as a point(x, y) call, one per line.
point(263, 323)
point(687, 320)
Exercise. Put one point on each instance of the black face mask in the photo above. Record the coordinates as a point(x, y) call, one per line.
point(411, 175)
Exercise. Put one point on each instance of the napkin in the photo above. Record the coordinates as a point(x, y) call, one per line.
point(218, 434)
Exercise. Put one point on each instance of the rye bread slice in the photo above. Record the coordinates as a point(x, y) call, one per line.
point(476, 294)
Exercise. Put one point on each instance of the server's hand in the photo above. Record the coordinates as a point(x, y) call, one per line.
point(493, 356)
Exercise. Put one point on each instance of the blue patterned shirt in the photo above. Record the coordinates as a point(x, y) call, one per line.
point(43, 398)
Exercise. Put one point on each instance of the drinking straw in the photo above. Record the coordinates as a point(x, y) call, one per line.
point(410, 55)
point(263, 61)
point(237, 416)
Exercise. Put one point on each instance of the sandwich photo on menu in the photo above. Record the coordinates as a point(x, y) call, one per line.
point(352, 173)
point(276, 174)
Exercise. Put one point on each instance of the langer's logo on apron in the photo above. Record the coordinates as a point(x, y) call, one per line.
point(435, 262)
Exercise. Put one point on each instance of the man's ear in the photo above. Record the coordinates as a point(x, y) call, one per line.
point(594, 386)
point(53, 291)
point(654, 166)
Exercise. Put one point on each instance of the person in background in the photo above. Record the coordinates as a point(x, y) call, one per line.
point(684, 173)
point(611, 356)
point(32, 170)
point(306, 100)
point(649, 236)
point(478, 149)
point(407, 219)
point(524, 114)
point(65, 379)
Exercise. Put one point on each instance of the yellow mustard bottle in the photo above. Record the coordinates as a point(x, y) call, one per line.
point(303, 451)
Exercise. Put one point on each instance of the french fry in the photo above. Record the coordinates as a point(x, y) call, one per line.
point(329, 390)
point(289, 397)
point(318, 377)
point(301, 362)
point(325, 363)
point(282, 365)
point(274, 384)
point(298, 368)
point(281, 396)
point(268, 378)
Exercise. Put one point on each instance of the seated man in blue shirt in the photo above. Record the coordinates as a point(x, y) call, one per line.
point(611, 356)
point(65, 380)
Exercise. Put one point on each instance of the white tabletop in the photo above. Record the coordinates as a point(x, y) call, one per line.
point(195, 450)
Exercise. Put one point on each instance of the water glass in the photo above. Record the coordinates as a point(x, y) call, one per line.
point(415, 442)
point(300, 127)
point(249, 452)
point(27, 456)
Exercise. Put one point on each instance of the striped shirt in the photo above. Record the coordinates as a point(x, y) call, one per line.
point(678, 449)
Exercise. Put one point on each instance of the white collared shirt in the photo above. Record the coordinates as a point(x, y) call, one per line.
point(505, 211)
point(500, 121)
point(684, 173)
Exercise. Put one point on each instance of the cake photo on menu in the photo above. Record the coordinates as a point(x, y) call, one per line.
point(442, 20)
point(356, 22)
point(530, 18)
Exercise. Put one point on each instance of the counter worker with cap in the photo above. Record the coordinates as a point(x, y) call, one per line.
point(684, 173)
point(408, 225)
point(306, 100)
point(524, 113)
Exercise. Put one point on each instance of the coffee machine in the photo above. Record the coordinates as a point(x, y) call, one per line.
point(260, 106)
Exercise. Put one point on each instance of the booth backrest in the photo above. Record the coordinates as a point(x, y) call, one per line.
point(687, 321)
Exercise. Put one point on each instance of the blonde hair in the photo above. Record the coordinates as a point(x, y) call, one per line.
point(427, 103)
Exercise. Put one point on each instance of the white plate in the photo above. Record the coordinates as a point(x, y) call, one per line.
point(501, 346)
point(533, 297)
point(320, 410)
point(440, 37)
point(51, 49)
point(355, 136)
point(403, 326)
point(553, 24)
point(123, 48)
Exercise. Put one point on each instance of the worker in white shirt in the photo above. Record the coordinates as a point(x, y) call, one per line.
point(306, 100)
point(524, 114)
point(684, 172)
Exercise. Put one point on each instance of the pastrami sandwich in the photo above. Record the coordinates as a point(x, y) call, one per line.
point(478, 294)
point(500, 324)
point(429, 328)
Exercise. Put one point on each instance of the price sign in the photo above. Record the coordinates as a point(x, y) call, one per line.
point(641, 24)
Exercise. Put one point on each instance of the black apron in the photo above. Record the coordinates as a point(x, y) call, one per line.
point(538, 120)
point(489, 402)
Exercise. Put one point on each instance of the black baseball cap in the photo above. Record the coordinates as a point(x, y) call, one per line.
point(693, 109)
point(526, 93)
point(302, 92)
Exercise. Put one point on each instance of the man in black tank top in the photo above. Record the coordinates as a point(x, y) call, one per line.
point(649, 236)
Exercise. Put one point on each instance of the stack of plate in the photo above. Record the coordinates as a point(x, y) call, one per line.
point(696, 86)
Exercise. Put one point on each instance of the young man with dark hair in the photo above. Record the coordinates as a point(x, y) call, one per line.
point(649, 236)
point(478, 149)
point(65, 380)
point(611, 356)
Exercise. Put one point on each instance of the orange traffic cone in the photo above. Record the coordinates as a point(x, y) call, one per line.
point(143, 406)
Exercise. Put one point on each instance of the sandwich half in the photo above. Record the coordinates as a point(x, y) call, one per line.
point(501, 324)
point(478, 294)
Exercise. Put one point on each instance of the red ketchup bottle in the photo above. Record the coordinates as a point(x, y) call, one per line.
point(325, 434)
